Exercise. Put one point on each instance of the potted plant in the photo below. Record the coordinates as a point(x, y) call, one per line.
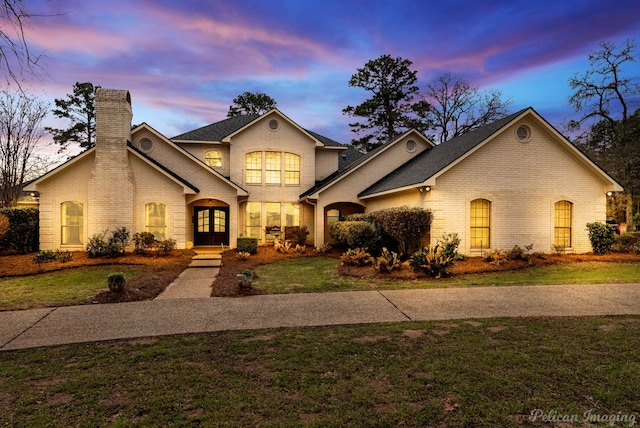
point(116, 282)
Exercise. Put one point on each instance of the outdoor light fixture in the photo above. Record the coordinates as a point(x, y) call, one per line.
point(609, 193)
point(424, 189)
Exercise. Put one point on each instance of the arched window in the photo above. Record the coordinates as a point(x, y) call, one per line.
point(562, 213)
point(253, 168)
point(333, 216)
point(72, 223)
point(480, 223)
point(213, 158)
point(156, 220)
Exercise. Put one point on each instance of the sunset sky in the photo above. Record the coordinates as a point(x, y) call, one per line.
point(184, 61)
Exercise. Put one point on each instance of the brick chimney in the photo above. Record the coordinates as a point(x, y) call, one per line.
point(111, 184)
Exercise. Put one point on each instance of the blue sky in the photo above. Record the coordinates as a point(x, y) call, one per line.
point(185, 61)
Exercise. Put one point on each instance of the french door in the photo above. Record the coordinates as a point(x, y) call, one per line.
point(211, 225)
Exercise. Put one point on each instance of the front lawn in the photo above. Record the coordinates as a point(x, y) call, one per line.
point(490, 372)
point(315, 274)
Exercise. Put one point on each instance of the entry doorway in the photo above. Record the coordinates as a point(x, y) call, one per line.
point(211, 225)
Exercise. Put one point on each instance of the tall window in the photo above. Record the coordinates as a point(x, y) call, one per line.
point(254, 168)
point(562, 224)
point(213, 158)
point(480, 223)
point(273, 167)
point(292, 214)
point(156, 220)
point(72, 221)
point(291, 168)
point(254, 219)
point(333, 216)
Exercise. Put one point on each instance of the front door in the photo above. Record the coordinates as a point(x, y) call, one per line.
point(211, 225)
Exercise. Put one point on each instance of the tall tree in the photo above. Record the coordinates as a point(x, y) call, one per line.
point(605, 98)
point(16, 58)
point(388, 112)
point(21, 117)
point(452, 106)
point(79, 108)
point(251, 103)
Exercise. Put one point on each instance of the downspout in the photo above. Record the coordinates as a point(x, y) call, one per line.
point(315, 228)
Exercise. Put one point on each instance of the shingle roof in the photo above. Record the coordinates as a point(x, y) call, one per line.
point(219, 130)
point(430, 162)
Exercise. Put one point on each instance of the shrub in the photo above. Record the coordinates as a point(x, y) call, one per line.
point(356, 257)
point(282, 247)
point(143, 241)
point(98, 246)
point(242, 256)
point(299, 249)
point(296, 234)
point(495, 257)
point(387, 261)
point(355, 234)
point(406, 225)
point(167, 245)
point(22, 232)
point(601, 237)
point(116, 282)
point(120, 239)
point(4, 225)
point(43, 257)
point(432, 261)
point(449, 243)
point(248, 245)
point(322, 249)
point(627, 243)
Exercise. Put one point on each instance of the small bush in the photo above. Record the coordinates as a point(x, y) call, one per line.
point(167, 245)
point(120, 239)
point(495, 257)
point(355, 234)
point(116, 282)
point(387, 261)
point(406, 225)
point(432, 261)
point(601, 237)
point(322, 249)
point(627, 243)
point(247, 245)
point(356, 257)
point(296, 234)
point(449, 243)
point(22, 233)
point(98, 246)
point(282, 247)
point(242, 256)
point(300, 249)
point(143, 241)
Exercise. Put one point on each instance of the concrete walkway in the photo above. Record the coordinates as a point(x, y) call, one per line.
point(55, 326)
point(195, 282)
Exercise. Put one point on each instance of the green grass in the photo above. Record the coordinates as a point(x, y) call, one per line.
point(316, 274)
point(60, 288)
point(492, 372)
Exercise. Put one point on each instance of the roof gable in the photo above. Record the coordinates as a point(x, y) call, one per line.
point(430, 164)
point(359, 161)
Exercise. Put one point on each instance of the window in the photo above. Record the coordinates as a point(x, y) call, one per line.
point(292, 214)
point(72, 222)
point(145, 145)
point(254, 168)
point(219, 221)
point(156, 220)
point(562, 224)
point(213, 158)
point(523, 133)
point(333, 216)
point(273, 167)
point(291, 168)
point(253, 219)
point(480, 223)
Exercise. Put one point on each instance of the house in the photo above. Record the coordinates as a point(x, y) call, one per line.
point(516, 181)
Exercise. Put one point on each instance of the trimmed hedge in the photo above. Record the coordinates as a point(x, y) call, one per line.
point(248, 245)
point(23, 233)
point(355, 234)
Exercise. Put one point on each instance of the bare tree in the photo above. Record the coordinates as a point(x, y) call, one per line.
point(452, 106)
point(607, 99)
point(15, 56)
point(21, 117)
